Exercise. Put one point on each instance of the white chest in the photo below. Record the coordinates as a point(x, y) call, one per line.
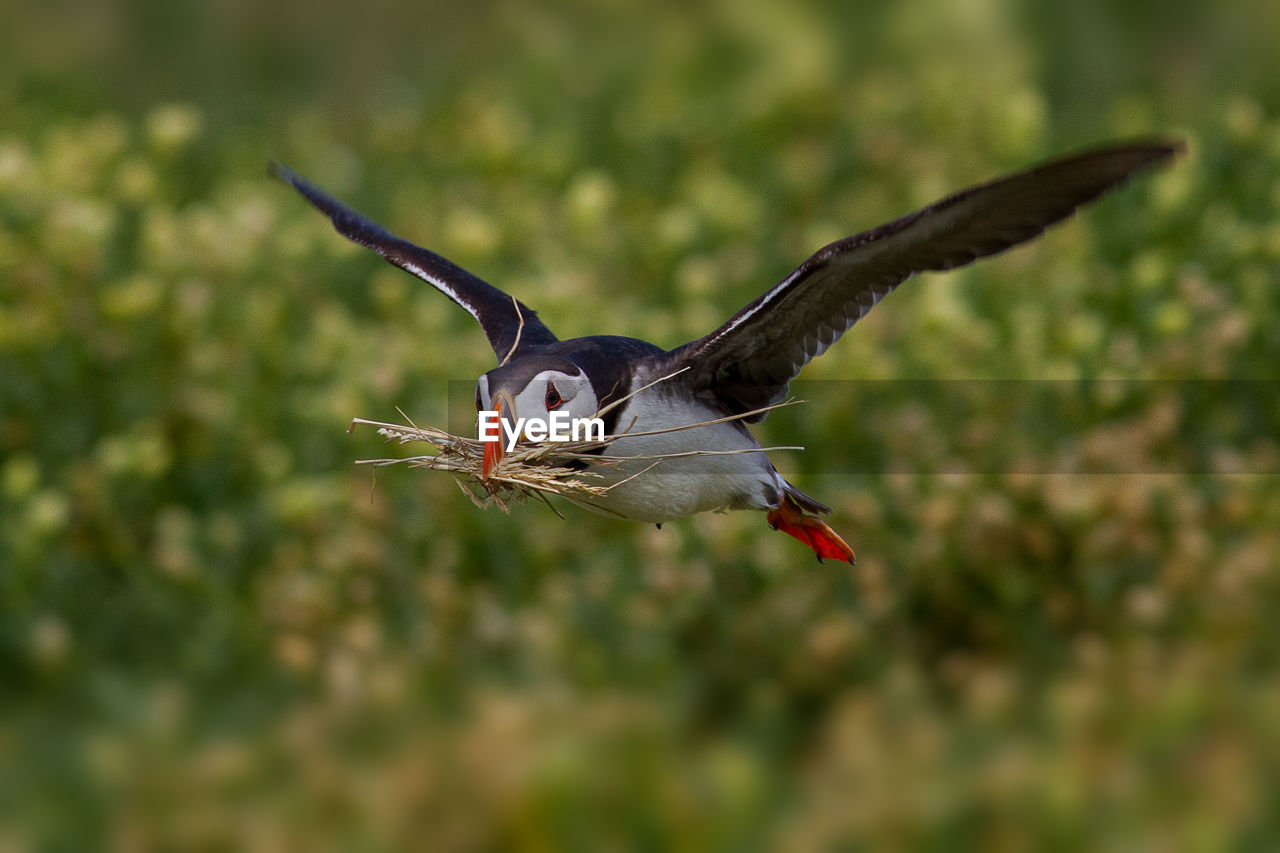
point(736, 474)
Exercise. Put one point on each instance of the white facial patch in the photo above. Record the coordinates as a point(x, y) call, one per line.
point(573, 394)
point(550, 400)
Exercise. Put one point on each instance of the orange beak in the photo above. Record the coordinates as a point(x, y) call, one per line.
point(493, 449)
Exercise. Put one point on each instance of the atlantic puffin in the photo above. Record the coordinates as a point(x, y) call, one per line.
point(745, 365)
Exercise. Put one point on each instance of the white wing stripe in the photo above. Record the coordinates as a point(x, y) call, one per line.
point(761, 305)
point(439, 285)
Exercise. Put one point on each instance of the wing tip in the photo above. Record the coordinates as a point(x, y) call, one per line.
point(305, 188)
point(1157, 145)
point(1155, 149)
point(1136, 154)
point(278, 170)
point(348, 222)
point(281, 172)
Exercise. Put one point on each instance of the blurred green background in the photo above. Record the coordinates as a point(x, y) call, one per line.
point(217, 632)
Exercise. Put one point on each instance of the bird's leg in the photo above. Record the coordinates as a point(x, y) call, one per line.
point(810, 530)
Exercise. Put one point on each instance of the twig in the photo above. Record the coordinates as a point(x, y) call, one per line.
point(519, 330)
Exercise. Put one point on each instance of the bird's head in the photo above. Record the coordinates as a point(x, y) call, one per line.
point(531, 389)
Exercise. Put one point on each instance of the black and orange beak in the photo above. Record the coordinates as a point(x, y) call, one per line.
point(492, 449)
point(492, 453)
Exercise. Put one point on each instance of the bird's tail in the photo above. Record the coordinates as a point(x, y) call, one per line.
point(806, 503)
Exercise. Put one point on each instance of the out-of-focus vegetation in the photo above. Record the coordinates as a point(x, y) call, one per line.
point(216, 632)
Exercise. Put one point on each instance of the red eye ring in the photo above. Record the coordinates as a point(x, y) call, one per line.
point(553, 398)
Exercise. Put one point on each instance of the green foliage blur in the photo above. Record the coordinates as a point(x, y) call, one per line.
point(217, 632)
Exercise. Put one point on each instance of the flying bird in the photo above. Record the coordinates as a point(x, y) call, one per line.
point(745, 366)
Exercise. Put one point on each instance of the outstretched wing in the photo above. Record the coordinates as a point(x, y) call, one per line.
point(507, 323)
point(749, 361)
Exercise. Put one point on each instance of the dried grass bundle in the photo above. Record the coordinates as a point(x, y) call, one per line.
point(529, 470)
point(577, 471)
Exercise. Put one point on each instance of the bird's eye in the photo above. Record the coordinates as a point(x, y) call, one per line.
point(553, 399)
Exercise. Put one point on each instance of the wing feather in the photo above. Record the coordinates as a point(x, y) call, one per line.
point(500, 316)
point(749, 361)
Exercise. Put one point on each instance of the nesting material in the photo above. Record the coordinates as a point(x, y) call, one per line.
point(529, 470)
point(577, 471)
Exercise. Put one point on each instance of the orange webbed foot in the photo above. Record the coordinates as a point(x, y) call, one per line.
point(810, 530)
